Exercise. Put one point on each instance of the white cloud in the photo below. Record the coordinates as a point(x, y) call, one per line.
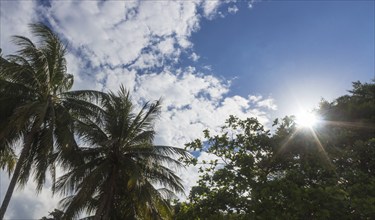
point(233, 9)
point(25, 203)
point(120, 76)
point(251, 3)
point(210, 7)
point(15, 17)
point(167, 46)
point(194, 57)
point(268, 103)
point(193, 102)
point(254, 98)
point(265, 103)
point(115, 38)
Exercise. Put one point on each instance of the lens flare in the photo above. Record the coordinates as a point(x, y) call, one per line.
point(306, 119)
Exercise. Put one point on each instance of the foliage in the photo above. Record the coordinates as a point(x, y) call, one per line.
point(325, 172)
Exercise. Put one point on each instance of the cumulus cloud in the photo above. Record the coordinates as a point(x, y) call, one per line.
point(25, 203)
point(265, 103)
point(268, 103)
point(15, 17)
point(255, 98)
point(194, 56)
point(137, 44)
point(210, 7)
point(250, 3)
point(124, 31)
point(233, 9)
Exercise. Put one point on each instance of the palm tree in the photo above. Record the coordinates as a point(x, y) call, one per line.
point(37, 108)
point(121, 167)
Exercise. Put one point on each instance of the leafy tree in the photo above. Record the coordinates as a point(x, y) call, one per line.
point(350, 129)
point(325, 172)
point(243, 153)
point(37, 108)
point(120, 166)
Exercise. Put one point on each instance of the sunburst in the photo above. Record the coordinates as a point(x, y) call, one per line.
point(306, 119)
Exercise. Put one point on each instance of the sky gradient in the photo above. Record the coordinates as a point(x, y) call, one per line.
point(301, 50)
point(206, 59)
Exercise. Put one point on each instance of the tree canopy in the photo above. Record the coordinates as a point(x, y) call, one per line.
point(323, 172)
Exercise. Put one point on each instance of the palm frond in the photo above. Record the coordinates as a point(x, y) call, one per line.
point(8, 158)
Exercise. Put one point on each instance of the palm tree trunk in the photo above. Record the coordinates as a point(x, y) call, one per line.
point(103, 210)
point(15, 176)
point(100, 210)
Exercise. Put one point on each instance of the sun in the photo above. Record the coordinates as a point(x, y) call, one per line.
point(306, 119)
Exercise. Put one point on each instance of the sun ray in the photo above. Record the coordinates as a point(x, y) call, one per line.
point(350, 124)
point(321, 147)
point(286, 142)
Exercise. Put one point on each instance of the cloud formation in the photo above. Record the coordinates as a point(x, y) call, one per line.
point(138, 44)
point(233, 9)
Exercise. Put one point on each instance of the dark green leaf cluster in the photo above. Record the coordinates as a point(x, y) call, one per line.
point(324, 172)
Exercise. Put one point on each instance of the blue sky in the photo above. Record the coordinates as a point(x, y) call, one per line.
point(292, 50)
point(206, 59)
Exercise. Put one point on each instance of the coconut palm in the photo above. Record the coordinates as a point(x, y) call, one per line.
point(36, 107)
point(121, 167)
